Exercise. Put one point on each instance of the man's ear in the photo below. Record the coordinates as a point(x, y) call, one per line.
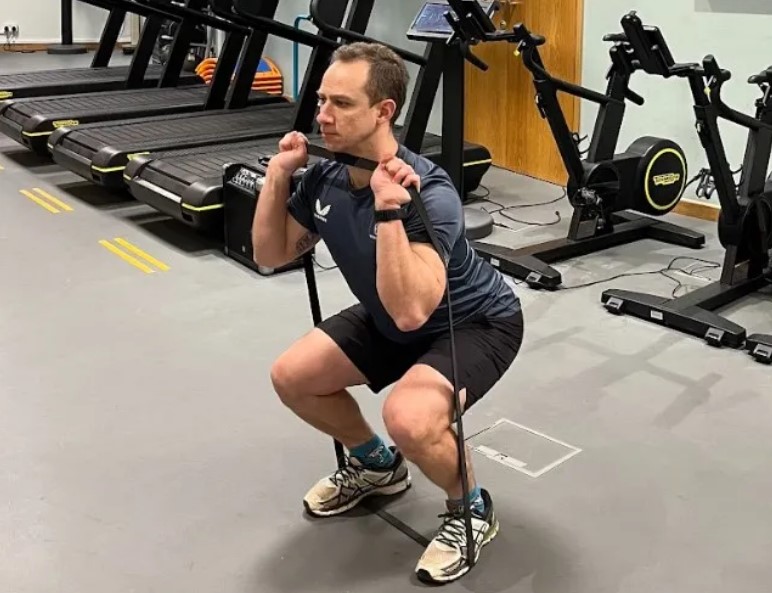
point(386, 110)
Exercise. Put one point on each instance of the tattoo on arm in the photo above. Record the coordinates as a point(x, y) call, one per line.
point(305, 243)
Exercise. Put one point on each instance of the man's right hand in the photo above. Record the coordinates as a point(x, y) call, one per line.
point(292, 154)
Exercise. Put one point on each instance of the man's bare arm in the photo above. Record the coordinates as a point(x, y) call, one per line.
point(277, 238)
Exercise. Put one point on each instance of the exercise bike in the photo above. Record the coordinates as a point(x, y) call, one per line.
point(745, 222)
point(615, 197)
point(201, 45)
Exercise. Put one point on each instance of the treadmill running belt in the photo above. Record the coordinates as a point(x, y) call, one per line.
point(31, 121)
point(187, 184)
point(176, 171)
point(79, 80)
point(99, 153)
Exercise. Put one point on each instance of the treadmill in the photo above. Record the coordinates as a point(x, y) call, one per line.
point(31, 121)
point(99, 76)
point(101, 152)
point(187, 184)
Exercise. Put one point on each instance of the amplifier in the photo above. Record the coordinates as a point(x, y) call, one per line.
point(241, 190)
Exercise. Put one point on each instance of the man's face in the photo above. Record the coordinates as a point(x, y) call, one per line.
point(346, 118)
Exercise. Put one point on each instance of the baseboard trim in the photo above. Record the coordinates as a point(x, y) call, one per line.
point(34, 47)
point(701, 210)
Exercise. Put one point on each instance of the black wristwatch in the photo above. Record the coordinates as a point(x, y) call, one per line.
point(392, 214)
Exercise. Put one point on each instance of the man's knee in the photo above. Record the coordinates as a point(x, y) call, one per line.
point(287, 379)
point(409, 430)
point(416, 413)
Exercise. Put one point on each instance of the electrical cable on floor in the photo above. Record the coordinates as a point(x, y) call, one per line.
point(503, 210)
point(321, 267)
point(708, 265)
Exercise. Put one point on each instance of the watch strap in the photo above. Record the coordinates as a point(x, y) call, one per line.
point(391, 214)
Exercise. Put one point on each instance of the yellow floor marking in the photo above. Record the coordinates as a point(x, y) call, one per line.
point(39, 201)
point(50, 198)
point(125, 256)
point(146, 256)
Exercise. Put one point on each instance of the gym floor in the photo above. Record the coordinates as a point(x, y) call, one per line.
point(143, 449)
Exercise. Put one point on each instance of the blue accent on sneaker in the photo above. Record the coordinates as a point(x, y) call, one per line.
point(374, 454)
point(476, 502)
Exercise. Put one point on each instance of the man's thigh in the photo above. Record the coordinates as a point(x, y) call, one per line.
point(485, 349)
point(379, 361)
point(315, 365)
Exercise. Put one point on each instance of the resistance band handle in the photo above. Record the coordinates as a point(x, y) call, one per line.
point(371, 165)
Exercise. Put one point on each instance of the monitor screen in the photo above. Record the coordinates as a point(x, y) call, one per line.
point(431, 19)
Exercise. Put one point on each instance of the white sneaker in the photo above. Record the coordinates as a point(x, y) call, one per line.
point(445, 558)
point(346, 488)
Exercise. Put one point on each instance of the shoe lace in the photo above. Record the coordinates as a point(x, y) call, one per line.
point(452, 532)
point(346, 476)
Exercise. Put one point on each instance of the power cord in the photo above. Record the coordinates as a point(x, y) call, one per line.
point(705, 178)
point(10, 42)
point(503, 210)
point(707, 265)
point(321, 267)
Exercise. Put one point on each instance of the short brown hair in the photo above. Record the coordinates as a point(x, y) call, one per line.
point(388, 75)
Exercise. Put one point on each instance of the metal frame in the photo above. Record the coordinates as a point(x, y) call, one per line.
point(744, 228)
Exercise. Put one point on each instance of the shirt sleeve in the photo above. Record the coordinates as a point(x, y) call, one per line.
point(300, 203)
point(445, 213)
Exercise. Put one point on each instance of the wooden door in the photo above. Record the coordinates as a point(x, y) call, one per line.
point(501, 112)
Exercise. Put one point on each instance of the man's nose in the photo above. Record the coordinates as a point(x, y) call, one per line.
point(323, 117)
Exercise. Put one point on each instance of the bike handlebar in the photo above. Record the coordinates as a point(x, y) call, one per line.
point(615, 37)
point(716, 78)
point(527, 44)
point(763, 77)
point(634, 97)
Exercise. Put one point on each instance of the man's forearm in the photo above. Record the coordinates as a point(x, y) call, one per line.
point(269, 227)
point(405, 282)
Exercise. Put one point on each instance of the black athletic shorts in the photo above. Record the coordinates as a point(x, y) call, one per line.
point(485, 349)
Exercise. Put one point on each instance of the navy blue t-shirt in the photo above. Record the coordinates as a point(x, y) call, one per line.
point(326, 205)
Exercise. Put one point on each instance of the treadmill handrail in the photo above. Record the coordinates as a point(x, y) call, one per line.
point(178, 12)
point(242, 8)
point(102, 4)
point(352, 36)
point(133, 7)
point(230, 15)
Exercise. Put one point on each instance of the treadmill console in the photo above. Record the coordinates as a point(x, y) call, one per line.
point(246, 178)
point(430, 23)
point(242, 183)
point(250, 178)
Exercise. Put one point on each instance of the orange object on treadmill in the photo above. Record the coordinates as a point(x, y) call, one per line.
point(268, 78)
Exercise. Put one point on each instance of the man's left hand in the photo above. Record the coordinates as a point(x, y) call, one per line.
point(389, 182)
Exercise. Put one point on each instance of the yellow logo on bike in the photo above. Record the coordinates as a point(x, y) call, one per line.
point(667, 179)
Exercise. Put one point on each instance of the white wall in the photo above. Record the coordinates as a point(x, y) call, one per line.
point(39, 21)
point(737, 32)
point(389, 22)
